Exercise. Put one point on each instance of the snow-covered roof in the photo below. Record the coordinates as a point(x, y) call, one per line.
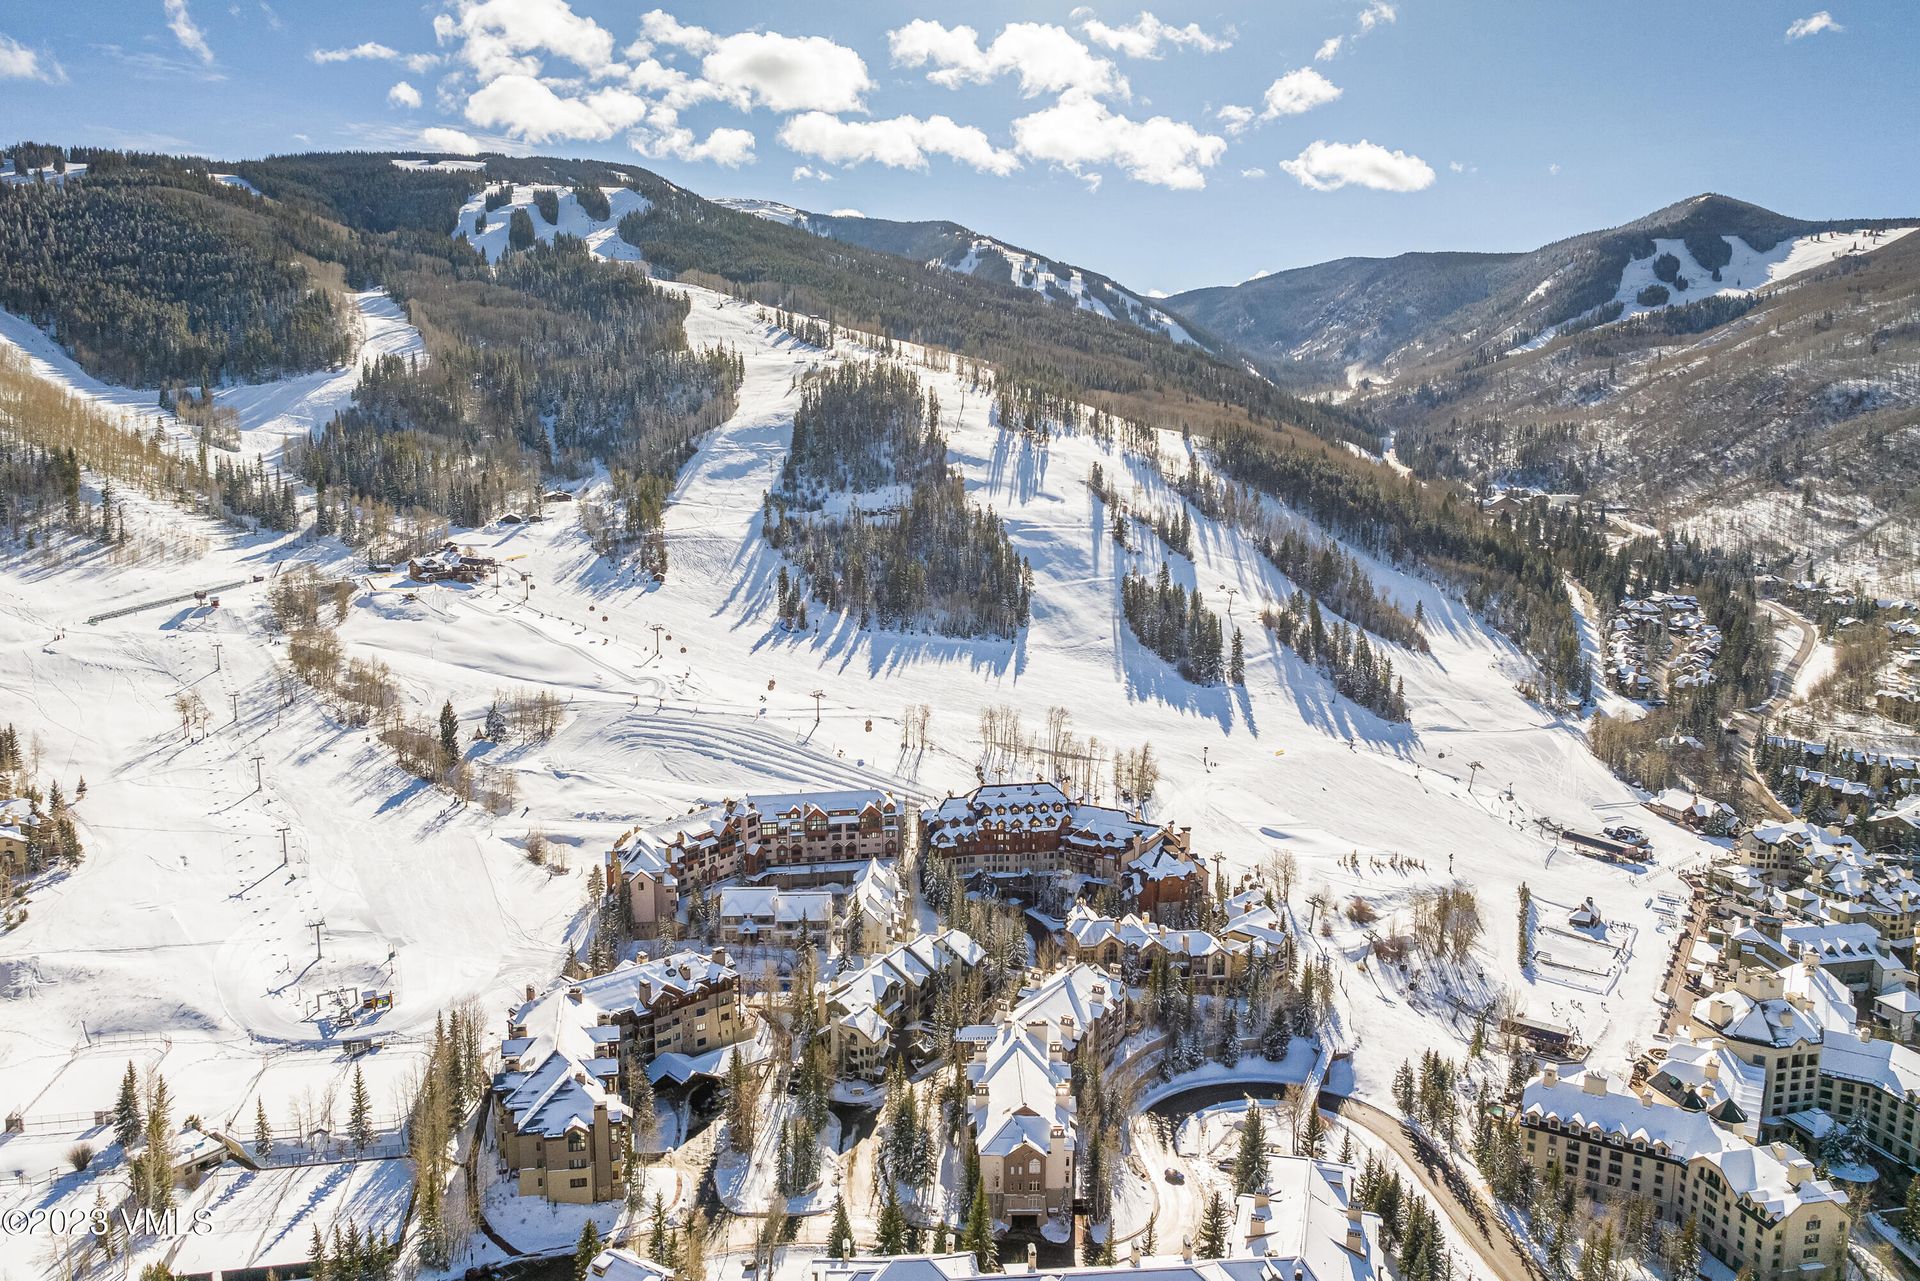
point(1300, 1218)
point(1029, 806)
point(624, 1265)
point(1019, 1096)
point(1708, 1076)
point(1070, 1001)
point(755, 904)
point(1886, 1064)
point(1775, 1178)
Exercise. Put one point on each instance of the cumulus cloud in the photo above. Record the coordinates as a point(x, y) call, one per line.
point(187, 31)
point(903, 142)
point(789, 73)
point(1329, 166)
point(527, 108)
point(1812, 25)
point(729, 147)
point(657, 26)
point(371, 50)
point(1143, 37)
point(18, 62)
point(1078, 133)
point(1046, 58)
point(1377, 12)
point(807, 173)
point(403, 95)
point(1329, 48)
point(497, 37)
point(1236, 119)
point(437, 138)
point(1297, 92)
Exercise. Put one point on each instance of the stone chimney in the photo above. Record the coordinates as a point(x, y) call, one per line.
point(1186, 1249)
point(1356, 1229)
point(1594, 1083)
point(1550, 1075)
point(1133, 1254)
point(1712, 1068)
point(1033, 1258)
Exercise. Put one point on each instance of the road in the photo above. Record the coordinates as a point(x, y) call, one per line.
point(1680, 1007)
point(1465, 1208)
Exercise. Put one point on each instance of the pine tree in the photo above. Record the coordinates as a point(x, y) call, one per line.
point(1403, 1090)
point(127, 1126)
point(1237, 663)
point(1250, 1163)
point(1910, 1220)
point(495, 729)
point(840, 1238)
point(359, 1114)
point(940, 1243)
point(586, 1251)
point(978, 1236)
point(891, 1231)
point(658, 1242)
point(321, 1269)
point(449, 734)
point(262, 1132)
point(1213, 1229)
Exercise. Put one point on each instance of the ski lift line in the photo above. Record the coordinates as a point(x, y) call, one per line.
point(168, 600)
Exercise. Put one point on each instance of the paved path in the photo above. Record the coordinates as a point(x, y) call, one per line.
point(1464, 1207)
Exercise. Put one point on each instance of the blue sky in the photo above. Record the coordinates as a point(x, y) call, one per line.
point(1176, 146)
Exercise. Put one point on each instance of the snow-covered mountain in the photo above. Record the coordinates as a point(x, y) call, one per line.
point(950, 246)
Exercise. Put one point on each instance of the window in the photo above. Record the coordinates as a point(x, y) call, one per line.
point(576, 1183)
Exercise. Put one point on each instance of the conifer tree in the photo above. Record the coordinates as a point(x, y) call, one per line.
point(127, 1125)
point(359, 1114)
point(586, 1251)
point(978, 1236)
point(840, 1237)
point(262, 1132)
point(1250, 1162)
point(1213, 1229)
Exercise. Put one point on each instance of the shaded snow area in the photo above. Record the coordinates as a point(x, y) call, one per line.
point(601, 234)
point(187, 942)
point(269, 414)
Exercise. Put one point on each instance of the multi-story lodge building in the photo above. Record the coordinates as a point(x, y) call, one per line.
point(1019, 833)
point(895, 987)
point(571, 1055)
point(1756, 1207)
point(799, 839)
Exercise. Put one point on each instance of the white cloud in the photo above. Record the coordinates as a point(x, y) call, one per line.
point(1255, 172)
point(1236, 119)
point(1329, 48)
point(729, 147)
point(187, 31)
point(527, 108)
point(1078, 132)
point(498, 37)
point(1377, 12)
point(807, 173)
point(789, 73)
point(1046, 58)
point(903, 142)
point(1143, 37)
point(1553, 170)
point(18, 62)
point(1812, 25)
point(403, 95)
point(421, 63)
point(371, 50)
point(437, 138)
point(1296, 92)
point(1461, 166)
point(1329, 166)
point(657, 26)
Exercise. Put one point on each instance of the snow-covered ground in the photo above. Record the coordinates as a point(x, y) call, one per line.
point(269, 414)
point(186, 933)
point(601, 234)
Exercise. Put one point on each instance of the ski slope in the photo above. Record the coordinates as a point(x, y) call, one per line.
point(186, 934)
point(601, 234)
